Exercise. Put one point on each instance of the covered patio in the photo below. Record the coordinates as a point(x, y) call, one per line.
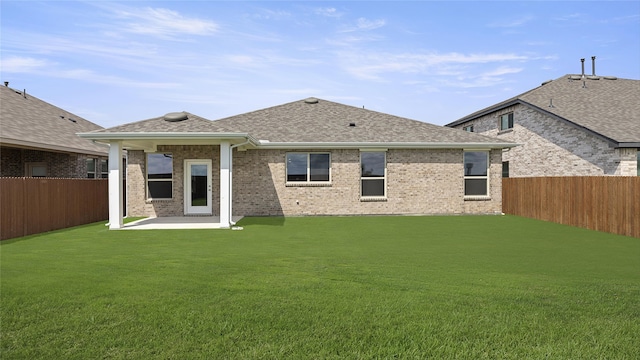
point(178, 222)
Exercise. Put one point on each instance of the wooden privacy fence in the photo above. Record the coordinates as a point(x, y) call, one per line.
point(34, 205)
point(603, 203)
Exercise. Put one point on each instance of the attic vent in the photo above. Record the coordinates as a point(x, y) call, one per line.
point(575, 77)
point(610, 78)
point(311, 100)
point(352, 124)
point(546, 82)
point(176, 116)
point(593, 77)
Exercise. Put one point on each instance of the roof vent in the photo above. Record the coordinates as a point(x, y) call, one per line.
point(575, 77)
point(176, 116)
point(311, 100)
point(352, 124)
point(593, 77)
point(546, 82)
point(610, 78)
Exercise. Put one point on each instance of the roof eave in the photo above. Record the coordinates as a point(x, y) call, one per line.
point(378, 145)
point(108, 137)
point(49, 147)
point(484, 112)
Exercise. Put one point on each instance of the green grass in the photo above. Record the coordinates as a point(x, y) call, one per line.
point(476, 287)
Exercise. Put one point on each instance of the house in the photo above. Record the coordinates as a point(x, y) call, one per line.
point(307, 157)
point(574, 125)
point(39, 139)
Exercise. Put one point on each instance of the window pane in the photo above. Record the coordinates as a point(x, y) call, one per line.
point(297, 167)
point(475, 163)
point(199, 185)
point(373, 187)
point(505, 169)
point(319, 167)
point(91, 165)
point(38, 171)
point(372, 164)
point(159, 166)
point(104, 165)
point(160, 189)
point(475, 186)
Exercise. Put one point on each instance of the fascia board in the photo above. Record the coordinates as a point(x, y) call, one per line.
point(106, 137)
point(484, 112)
point(390, 145)
point(47, 147)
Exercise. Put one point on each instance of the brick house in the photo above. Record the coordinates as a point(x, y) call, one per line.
point(39, 139)
point(307, 157)
point(575, 125)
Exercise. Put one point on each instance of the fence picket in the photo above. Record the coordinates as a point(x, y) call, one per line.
point(603, 203)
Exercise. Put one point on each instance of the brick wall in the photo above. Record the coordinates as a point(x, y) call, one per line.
point(13, 163)
point(552, 147)
point(418, 182)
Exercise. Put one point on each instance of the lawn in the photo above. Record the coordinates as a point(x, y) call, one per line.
point(465, 287)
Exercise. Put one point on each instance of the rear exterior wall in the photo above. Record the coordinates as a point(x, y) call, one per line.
point(418, 182)
point(551, 147)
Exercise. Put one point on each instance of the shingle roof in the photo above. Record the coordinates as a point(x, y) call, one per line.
point(315, 121)
point(26, 121)
point(608, 106)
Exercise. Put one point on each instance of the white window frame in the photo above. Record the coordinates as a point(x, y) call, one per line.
point(89, 170)
point(30, 166)
point(147, 180)
point(486, 177)
point(104, 170)
point(382, 197)
point(510, 121)
point(308, 181)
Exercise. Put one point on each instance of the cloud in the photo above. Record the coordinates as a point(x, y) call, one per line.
point(17, 64)
point(328, 12)
point(372, 66)
point(165, 23)
point(363, 24)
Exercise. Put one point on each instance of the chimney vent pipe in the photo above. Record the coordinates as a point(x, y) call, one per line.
point(582, 61)
point(593, 65)
point(6, 83)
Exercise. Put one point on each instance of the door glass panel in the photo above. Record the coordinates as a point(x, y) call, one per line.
point(199, 185)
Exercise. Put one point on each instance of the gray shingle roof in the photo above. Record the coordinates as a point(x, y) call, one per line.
point(26, 121)
point(318, 121)
point(607, 107)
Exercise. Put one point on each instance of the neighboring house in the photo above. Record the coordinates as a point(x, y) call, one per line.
point(39, 139)
point(573, 126)
point(308, 157)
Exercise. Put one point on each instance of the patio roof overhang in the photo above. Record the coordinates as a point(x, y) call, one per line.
point(265, 144)
point(149, 141)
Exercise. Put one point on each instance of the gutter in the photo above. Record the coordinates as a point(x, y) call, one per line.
point(265, 144)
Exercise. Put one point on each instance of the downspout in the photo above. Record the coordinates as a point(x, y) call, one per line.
point(231, 179)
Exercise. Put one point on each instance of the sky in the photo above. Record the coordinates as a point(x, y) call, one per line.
point(434, 61)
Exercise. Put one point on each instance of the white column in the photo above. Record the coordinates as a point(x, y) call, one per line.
point(115, 185)
point(225, 183)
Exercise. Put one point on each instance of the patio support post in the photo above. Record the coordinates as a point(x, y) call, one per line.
point(225, 184)
point(115, 185)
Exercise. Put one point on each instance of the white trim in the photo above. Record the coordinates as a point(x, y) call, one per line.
point(115, 185)
point(308, 182)
point(486, 177)
point(197, 210)
point(225, 184)
point(382, 197)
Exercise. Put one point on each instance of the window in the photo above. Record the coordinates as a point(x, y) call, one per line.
point(505, 169)
point(159, 176)
point(373, 167)
point(476, 179)
point(36, 169)
point(468, 128)
point(104, 166)
point(91, 168)
point(308, 167)
point(506, 121)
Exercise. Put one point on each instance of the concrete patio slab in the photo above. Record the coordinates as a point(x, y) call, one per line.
point(177, 222)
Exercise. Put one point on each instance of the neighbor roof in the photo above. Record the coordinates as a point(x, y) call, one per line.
point(28, 122)
point(606, 106)
point(312, 122)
